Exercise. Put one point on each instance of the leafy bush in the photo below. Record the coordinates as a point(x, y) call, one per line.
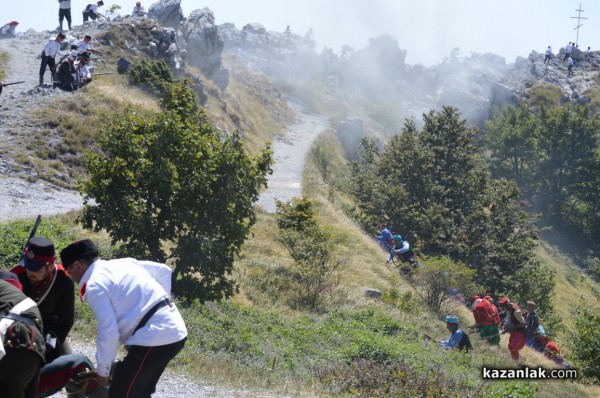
point(438, 280)
point(548, 95)
point(315, 269)
point(151, 74)
point(585, 342)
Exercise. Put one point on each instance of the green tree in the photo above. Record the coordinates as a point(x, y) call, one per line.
point(315, 269)
point(585, 342)
point(434, 184)
point(511, 137)
point(437, 280)
point(170, 180)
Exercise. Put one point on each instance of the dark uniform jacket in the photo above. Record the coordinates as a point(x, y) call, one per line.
point(20, 335)
point(57, 305)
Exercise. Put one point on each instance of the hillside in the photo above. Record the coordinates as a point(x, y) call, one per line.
point(260, 340)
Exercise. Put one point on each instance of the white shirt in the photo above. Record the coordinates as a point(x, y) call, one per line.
point(569, 61)
point(82, 46)
point(83, 72)
point(138, 12)
point(52, 48)
point(64, 4)
point(93, 8)
point(120, 292)
point(548, 51)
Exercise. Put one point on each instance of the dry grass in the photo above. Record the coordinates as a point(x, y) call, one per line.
point(3, 62)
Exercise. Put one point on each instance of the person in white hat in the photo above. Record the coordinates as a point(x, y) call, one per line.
point(458, 338)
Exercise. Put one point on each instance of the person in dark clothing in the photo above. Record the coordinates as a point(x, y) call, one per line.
point(531, 323)
point(67, 72)
point(64, 12)
point(91, 11)
point(22, 349)
point(49, 286)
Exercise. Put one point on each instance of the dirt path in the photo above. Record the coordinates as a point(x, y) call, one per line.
point(290, 151)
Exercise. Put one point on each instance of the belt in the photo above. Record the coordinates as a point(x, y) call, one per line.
point(19, 318)
point(162, 303)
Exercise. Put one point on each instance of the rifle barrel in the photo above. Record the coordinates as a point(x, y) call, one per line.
point(10, 84)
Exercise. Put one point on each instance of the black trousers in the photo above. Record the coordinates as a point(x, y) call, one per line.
point(64, 13)
point(89, 15)
point(19, 374)
point(137, 375)
point(47, 61)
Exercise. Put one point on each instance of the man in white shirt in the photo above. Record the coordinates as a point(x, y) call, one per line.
point(547, 55)
point(570, 66)
point(91, 11)
point(50, 51)
point(130, 300)
point(138, 10)
point(84, 75)
point(64, 12)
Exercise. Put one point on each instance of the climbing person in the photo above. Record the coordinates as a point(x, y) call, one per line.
point(385, 238)
point(570, 66)
point(487, 321)
point(66, 74)
point(458, 338)
point(547, 55)
point(568, 51)
point(9, 30)
point(514, 323)
point(531, 323)
point(91, 11)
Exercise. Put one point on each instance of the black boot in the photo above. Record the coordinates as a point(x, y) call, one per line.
point(41, 80)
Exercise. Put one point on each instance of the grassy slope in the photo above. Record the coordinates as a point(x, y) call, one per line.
point(260, 309)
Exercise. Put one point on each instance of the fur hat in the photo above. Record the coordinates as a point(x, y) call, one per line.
point(78, 250)
point(38, 253)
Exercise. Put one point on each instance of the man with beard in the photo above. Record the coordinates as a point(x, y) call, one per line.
point(47, 283)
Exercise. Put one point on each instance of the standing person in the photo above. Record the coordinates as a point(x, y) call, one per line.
point(515, 324)
point(48, 285)
point(22, 348)
point(9, 30)
point(130, 300)
point(51, 49)
point(531, 323)
point(568, 51)
point(547, 55)
point(570, 66)
point(138, 10)
point(458, 338)
point(64, 12)
point(91, 11)
point(487, 321)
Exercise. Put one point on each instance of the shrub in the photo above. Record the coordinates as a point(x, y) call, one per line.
point(585, 342)
point(151, 74)
point(439, 279)
point(545, 94)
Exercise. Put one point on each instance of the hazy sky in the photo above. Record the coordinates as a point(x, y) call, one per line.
point(427, 29)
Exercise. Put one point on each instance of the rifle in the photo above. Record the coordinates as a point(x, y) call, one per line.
point(10, 84)
point(31, 235)
point(102, 74)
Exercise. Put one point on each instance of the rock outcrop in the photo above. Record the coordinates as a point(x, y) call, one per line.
point(204, 46)
point(167, 13)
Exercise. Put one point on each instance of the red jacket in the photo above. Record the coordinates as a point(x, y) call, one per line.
point(486, 313)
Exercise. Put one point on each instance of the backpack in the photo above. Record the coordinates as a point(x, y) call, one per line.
point(465, 342)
